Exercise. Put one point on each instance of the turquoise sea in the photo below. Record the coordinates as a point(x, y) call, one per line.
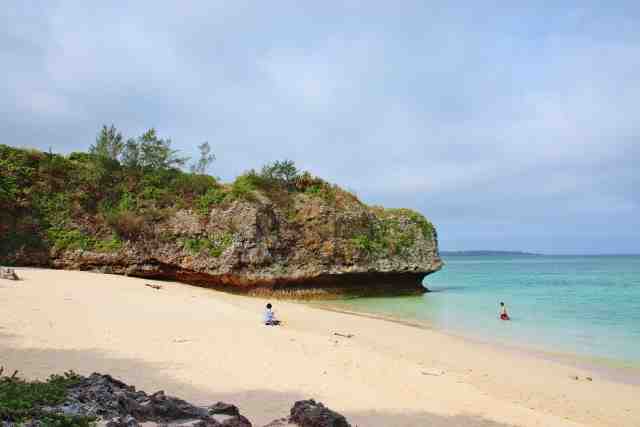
point(587, 306)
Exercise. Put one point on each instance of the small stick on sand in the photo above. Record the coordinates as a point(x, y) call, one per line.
point(14, 374)
point(343, 335)
point(156, 287)
point(8, 273)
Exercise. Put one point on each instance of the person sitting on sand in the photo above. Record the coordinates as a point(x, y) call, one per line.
point(503, 312)
point(270, 317)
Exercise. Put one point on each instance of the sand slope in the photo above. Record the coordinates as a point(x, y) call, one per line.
point(205, 346)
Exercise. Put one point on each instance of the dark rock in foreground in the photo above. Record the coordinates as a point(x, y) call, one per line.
point(309, 413)
point(116, 404)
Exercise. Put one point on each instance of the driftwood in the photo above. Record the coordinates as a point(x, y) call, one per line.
point(343, 335)
point(156, 287)
point(8, 273)
point(12, 377)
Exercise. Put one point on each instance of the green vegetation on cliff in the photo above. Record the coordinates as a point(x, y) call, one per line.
point(388, 235)
point(124, 193)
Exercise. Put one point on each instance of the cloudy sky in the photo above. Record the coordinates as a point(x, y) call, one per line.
point(509, 126)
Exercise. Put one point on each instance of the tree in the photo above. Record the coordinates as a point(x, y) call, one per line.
point(149, 151)
point(131, 154)
point(205, 160)
point(280, 172)
point(156, 153)
point(109, 143)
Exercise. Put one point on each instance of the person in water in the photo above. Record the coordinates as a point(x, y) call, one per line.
point(270, 316)
point(503, 312)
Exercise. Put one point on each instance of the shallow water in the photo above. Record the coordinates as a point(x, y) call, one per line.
point(581, 305)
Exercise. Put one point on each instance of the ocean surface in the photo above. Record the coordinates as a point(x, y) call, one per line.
point(587, 306)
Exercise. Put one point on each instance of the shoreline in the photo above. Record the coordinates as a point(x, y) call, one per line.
point(205, 346)
point(613, 369)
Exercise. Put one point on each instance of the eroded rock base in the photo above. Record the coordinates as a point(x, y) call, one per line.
point(328, 286)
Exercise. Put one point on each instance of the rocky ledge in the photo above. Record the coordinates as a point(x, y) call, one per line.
point(301, 238)
point(112, 403)
point(254, 247)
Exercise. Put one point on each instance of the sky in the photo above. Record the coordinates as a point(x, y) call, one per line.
point(510, 125)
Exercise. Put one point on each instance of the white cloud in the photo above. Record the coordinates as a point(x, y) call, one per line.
point(526, 116)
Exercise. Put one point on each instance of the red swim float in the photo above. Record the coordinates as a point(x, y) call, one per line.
point(504, 316)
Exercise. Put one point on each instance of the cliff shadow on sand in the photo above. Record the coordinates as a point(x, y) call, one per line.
point(260, 406)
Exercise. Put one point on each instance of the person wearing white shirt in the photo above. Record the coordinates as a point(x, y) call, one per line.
point(270, 316)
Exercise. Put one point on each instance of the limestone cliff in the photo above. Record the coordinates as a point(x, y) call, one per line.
point(313, 240)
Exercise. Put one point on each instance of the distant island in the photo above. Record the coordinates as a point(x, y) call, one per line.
point(487, 253)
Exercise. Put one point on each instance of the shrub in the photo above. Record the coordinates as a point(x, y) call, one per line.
point(160, 195)
point(219, 244)
point(386, 236)
point(323, 190)
point(194, 246)
point(245, 185)
point(79, 156)
point(54, 166)
point(364, 243)
point(213, 246)
point(214, 196)
point(153, 214)
point(315, 186)
point(283, 173)
point(69, 239)
point(160, 185)
point(425, 226)
point(113, 244)
point(53, 207)
point(127, 224)
point(314, 190)
point(306, 181)
point(193, 185)
point(8, 188)
point(127, 202)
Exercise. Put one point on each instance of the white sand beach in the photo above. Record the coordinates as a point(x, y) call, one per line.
point(205, 346)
